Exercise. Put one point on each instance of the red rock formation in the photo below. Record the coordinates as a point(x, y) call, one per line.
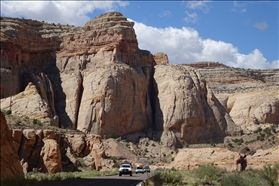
point(9, 162)
point(96, 79)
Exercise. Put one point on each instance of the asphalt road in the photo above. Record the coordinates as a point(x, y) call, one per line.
point(124, 180)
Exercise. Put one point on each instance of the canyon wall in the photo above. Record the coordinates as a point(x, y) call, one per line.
point(95, 79)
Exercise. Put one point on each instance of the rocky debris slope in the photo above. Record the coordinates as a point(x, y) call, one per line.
point(9, 164)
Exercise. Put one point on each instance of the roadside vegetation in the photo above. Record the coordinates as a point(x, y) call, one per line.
point(32, 178)
point(209, 175)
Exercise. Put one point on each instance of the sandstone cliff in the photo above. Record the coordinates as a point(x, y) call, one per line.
point(95, 79)
point(186, 110)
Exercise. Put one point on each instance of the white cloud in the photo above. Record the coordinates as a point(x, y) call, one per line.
point(195, 5)
point(191, 18)
point(198, 5)
point(239, 6)
point(65, 12)
point(184, 45)
point(261, 26)
point(165, 14)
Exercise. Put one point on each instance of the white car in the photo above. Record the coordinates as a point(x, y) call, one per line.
point(125, 169)
point(139, 170)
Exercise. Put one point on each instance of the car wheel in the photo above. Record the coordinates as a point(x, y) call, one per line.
point(131, 174)
point(120, 174)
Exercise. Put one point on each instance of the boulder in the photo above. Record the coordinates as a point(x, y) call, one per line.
point(51, 156)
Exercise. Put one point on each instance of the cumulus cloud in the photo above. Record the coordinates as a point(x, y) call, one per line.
point(184, 45)
point(65, 12)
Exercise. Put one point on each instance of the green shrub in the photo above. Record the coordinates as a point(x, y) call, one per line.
point(208, 173)
point(271, 174)
point(9, 112)
point(238, 141)
point(37, 122)
point(233, 180)
point(213, 144)
point(33, 178)
point(114, 159)
point(168, 177)
point(18, 122)
point(260, 138)
point(259, 129)
point(267, 131)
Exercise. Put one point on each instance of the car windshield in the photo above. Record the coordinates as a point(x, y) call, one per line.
point(126, 166)
point(146, 167)
point(139, 168)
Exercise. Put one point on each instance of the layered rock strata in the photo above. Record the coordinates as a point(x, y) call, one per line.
point(96, 79)
point(249, 96)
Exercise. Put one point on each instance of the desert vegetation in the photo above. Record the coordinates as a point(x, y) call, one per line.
point(32, 178)
point(209, 175)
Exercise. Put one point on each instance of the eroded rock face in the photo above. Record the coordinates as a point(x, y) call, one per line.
point(113, 72)
point(30, 103)
point(52, 151)
point(95, 79)
point(116, 102)
point(10, 164)
point(186, 109)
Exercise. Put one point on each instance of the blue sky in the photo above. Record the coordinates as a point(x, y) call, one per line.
point(237, 33)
